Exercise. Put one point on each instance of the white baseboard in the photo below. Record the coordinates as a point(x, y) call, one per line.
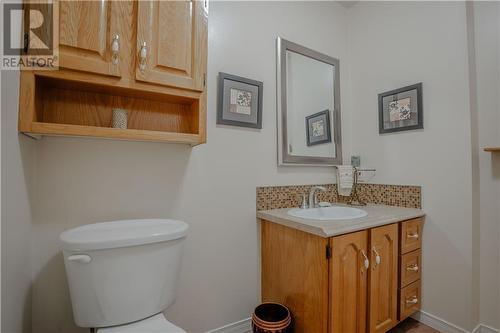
point(242, 326)
point(245, 325)
point(437, 323)
point(446, 327)
point(485, 329)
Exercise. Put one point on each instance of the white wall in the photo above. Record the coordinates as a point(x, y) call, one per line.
point(17, 171)
point(487, 59)
point(393, 44)
point(211, 187)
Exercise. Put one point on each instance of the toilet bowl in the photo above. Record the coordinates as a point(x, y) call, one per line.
point(122, 275)
point(155, 324)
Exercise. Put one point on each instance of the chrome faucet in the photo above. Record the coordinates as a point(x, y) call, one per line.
point(313, 200)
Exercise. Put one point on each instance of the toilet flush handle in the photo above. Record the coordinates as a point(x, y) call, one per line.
point(80, 258)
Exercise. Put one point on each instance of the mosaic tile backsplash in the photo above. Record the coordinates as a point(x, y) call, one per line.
point(274, 197)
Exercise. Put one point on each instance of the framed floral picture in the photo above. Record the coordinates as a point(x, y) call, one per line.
point(401, 109)
point(239, 101)
point(318, 128)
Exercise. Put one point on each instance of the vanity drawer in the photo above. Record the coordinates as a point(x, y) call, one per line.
point(410, 268)
point(411, 235)
point(409, 300)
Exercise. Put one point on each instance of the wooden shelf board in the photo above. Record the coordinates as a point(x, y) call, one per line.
point(80, 80)
point(113, 133)
point(492, 149)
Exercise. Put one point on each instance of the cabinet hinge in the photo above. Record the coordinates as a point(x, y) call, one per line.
point(328, 251)
point(204, 79)
point(26, 42)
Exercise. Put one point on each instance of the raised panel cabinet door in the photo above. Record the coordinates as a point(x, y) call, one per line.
point(89, 36)
point(383, 277)
point(348, 282)
point(172, 43)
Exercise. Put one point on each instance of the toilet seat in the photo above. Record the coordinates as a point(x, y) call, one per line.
point(156, 324)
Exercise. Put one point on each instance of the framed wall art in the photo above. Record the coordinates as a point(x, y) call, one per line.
point(401, 109)
point(318, 128)
point(239, 101)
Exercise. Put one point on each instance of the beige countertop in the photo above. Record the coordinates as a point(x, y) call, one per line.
point(377, 215)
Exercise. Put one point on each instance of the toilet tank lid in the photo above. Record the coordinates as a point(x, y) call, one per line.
point(123, 233)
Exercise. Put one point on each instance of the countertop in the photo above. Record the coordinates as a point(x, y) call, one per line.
point(378, 215)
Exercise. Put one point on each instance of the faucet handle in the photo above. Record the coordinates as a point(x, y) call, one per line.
point(304, 204)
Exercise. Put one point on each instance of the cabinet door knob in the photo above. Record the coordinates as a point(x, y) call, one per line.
point(412, 268)
point(143, 55)
point(377, 257)
point(412, 236)
point(366, 261)
point(413, 300)
point(115, 50)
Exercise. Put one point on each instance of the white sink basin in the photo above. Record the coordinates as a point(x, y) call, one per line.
point(328, 213)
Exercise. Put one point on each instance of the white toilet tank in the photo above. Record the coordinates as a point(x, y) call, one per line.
point(122, 271)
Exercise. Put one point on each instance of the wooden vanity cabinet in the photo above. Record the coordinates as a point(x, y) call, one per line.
point(350, 283)
point(147, 57)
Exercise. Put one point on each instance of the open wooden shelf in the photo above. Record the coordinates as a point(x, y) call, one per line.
point(492, 149)
point(69, 108)
point(113, 133)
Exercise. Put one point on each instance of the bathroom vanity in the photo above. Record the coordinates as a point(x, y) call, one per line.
point(338, 276)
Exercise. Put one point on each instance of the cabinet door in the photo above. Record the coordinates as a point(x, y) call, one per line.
point(172, 43)
point(383, 287)
point(348, 282)
point(87, 30)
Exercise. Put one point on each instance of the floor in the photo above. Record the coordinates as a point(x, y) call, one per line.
point(410, 325)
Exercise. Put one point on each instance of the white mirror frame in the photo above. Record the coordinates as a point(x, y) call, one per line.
point(284, 158)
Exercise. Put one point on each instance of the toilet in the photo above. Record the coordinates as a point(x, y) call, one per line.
point(123, 274)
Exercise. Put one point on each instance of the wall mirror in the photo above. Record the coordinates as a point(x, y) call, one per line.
point(308, 106)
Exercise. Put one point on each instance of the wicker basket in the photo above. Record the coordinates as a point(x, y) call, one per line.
point(271, 318)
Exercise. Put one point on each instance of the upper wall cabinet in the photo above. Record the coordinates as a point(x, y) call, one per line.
point(148, 58)
point(170, 35)
point(89, 36)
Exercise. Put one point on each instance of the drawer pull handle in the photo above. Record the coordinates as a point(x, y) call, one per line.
point(412, 236)
point(413, 268)
point(413, 300)
point(366, 262)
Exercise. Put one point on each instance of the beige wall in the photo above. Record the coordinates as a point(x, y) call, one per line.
point(17, 182)
point(211, 187)
point(487, 59)
point(394, 44)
